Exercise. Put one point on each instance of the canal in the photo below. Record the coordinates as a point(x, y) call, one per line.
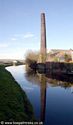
point(51, 98)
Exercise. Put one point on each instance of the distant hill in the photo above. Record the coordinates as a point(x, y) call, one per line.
point(10, 61)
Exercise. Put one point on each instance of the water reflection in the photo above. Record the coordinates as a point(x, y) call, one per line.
point(42, 79)
point(45, 81)
point(50, 95)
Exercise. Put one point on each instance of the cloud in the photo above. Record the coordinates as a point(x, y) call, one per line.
point(13, 39)
point(18, 35)
point(11, 56)
point(4, 45)
point(28, 35)
point(22, 36)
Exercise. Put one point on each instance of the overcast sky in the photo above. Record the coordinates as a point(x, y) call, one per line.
point(20, 25)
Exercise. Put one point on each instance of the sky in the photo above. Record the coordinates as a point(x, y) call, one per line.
point(20, 26)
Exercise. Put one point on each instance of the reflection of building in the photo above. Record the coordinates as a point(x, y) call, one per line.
point(39, 79)
point(42, 79)
point(72, 89)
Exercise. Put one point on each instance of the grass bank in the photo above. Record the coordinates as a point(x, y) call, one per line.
point(14, 105)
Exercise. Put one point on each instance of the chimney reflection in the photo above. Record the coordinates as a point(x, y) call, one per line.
point(42, 80)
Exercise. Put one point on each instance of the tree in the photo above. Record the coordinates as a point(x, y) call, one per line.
point(67, 57)
point(31, 58)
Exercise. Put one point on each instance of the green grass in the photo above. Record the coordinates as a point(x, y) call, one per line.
point(14, 105)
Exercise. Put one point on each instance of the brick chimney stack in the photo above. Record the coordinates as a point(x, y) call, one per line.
point(43, 39)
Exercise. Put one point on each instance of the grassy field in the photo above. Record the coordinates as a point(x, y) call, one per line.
point(14, 105)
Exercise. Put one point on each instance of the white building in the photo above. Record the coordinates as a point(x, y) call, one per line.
point(14, 62)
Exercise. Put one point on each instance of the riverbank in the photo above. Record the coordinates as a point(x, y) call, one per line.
point(14, 105)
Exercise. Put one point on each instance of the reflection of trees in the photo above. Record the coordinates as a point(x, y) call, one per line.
point(55, 83)
point(54, 79)
point(32, 76)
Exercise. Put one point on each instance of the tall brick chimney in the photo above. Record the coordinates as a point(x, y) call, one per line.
point(43, 39)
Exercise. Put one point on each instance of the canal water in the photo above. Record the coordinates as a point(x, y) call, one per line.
point(51, 97)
